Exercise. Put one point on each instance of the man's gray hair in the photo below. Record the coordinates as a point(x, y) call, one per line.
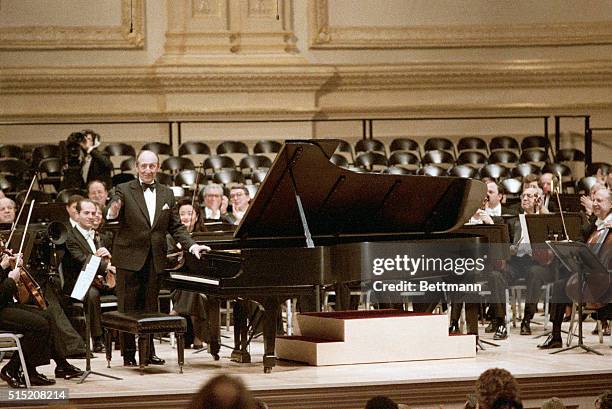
point(213, 187)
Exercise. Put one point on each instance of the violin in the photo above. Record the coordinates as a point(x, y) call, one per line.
point(27, 288)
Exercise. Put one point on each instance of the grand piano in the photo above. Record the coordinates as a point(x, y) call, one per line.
point(313, 224)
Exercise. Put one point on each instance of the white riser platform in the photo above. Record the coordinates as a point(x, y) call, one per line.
point(330, 339)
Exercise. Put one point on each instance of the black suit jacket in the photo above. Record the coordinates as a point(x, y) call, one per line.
point(8, 288)
point(100, 168)
point(77, 251)
point(137, 237)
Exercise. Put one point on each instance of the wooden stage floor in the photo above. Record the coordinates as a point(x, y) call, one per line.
point(573, 375)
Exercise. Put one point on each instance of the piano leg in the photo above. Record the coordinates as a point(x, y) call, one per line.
point(240, 353)
point(212, 313)
point(271, 310)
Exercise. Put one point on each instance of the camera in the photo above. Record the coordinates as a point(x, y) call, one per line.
point(73, 148)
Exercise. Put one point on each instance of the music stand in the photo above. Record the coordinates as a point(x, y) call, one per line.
point(578, 258)
point(81, 293)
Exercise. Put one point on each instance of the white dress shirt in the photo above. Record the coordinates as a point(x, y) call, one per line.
point(494, 211)
point(89, 237)
point(151, 200)
point(212, 215)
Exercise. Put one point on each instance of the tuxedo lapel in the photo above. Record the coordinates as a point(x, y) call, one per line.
point(82, 241)
point(140, 200)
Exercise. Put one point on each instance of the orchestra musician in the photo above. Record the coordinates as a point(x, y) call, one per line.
point(188, 303)
point(239, 199)
point(7, 211)
point(146, 212)
point(82, 242)
point(35, 324)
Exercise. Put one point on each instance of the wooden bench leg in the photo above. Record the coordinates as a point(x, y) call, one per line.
point(143, 351)
point(180, 342)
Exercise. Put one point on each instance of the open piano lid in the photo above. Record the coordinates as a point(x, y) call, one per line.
point(337, 201)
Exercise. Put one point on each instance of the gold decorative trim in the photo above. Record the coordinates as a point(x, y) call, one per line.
point(130, 34)
point(324, 36)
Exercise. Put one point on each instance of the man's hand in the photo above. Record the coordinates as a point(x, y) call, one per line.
point(115, 207)
point(103, 252)
point(587, 203)
point(112, 269)
point(14, 274)
point(224, 204)
point(198, 249)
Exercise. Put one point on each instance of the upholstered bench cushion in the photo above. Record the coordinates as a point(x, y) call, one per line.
point(143, 322)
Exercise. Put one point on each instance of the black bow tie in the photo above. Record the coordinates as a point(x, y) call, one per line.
point(146, 186)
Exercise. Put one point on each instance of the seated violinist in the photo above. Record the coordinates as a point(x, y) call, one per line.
point(35, 324)
point(81, 243)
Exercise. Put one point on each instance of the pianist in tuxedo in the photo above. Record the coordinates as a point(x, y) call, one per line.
point(7, 210)
point(239, 199)
point(522, 263)
point(80, 244)
point(188, 303)
point(145, 210)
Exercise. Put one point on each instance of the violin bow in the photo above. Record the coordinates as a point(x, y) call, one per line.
point(25, 200)
point(24, 233)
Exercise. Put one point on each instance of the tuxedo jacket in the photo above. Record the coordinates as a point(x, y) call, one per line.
point(100, 167)
point(137, 236)
point(8, 288)
point(75, 256)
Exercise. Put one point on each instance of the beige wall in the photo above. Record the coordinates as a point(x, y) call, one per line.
point(68, 60)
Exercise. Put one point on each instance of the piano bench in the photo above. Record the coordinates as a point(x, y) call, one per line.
point(144, 324)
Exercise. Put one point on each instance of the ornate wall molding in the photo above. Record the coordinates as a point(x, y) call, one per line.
point(322, 35)
point(129, 34)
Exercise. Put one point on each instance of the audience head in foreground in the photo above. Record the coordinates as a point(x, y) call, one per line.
point(494, 384)
point(223, 392)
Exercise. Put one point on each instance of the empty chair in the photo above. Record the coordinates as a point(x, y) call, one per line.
point(189, 179)
point(474, 159)
point(404, 159)
point(432, 170)
point(8, 182)
point(177, 191)
point(234, 149)
point(128, 165)
point(569, 155)
point(584, 185)
point(164, 178)
point(64, 194)
point(370, 145)
point(506, 143)
point(118, 152)
point(535, 156)
point(339, 160)
point(443, 159)
point(463, 171)
point(258, 176)
point(267, 147)
point(227, 176)
point(11, 151)
point(43, 152)
point(535, 142)
point(175, 164)
point(595, 166)
point(512, 186)
point(506, 158)
point(50, 174)
point(396, 170)
point(218, 162)
point(439, 144)
point(195, 150)
point(254, 162)
point(14, 166)
point(471, 144)
point(252, 190)
point(556, 169)
point(372, 161)
point(159, 148)
point(523, 169)
point(494, 171)
point(404, 144)
point(345, 149)
point(120, 178)
point(38, 195)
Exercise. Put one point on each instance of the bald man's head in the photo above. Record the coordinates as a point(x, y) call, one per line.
point(7, 210)
point(147, 166)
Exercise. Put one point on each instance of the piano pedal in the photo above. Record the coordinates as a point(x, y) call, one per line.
point(242, 357)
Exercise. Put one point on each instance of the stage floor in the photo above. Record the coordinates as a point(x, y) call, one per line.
point(422, 383)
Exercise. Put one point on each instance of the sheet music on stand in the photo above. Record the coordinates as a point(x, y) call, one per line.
point(86, 277)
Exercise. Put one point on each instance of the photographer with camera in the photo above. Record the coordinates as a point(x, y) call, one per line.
point(84, 161)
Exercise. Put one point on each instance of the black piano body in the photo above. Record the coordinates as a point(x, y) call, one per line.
point(314, 224)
